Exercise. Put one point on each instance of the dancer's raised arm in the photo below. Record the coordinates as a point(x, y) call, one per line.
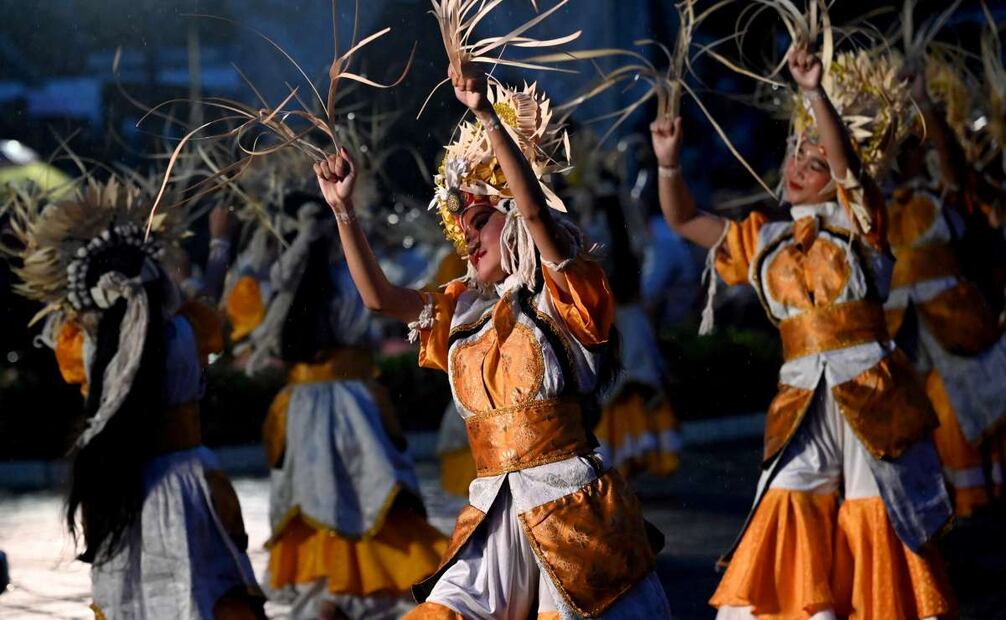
point(807, 70)
point(336, 178)
point(220, 246)
point(953, 162)
point(470, 88)
point(676, 199)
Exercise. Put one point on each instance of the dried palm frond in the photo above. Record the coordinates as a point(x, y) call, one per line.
point(807, 28)
point(665, 86)
point(266, 130)
point(457, 20)
point(916, 40)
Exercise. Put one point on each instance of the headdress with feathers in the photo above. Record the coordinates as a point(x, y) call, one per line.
point(469, 173)
point(58, 249)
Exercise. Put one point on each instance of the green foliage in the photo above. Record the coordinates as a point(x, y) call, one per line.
point(235, 404)
point(729, 372)
point(420, 395)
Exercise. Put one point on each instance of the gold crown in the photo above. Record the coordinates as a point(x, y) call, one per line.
point(469, 166)
point(872, 100)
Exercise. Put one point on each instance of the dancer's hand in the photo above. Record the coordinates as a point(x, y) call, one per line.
point(220, 220)
point(336, 179)
point(806, 69)
point(666, 136)
point(470, 87)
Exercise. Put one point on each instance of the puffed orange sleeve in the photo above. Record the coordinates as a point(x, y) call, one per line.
point(434, 339)
point(207, 326)
point(70, 355)
point(244, 307)
point(588, 306)
point(735, 253)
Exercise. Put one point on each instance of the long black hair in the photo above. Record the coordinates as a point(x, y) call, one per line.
point(308, 334)
point(106, 483)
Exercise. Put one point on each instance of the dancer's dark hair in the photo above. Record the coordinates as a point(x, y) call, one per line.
point(106, 476)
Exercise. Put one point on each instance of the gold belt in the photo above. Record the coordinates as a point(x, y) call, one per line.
point(540, 432)
point(924, 263)
point(833, 327)
point(343, 364)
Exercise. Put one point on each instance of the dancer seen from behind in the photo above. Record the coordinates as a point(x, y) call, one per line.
point(638, 431)
point(160, 523)
point(349, 533)
point(851, 494)
point(937, 314)
point(525, 340)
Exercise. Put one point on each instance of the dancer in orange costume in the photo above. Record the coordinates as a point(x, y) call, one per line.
point(940, 317)
point(849, 420)
point(523, 339)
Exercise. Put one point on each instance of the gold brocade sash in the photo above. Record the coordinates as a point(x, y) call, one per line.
point(929, 262)
point(343, 364)
point(536, 433)
point(833, 327)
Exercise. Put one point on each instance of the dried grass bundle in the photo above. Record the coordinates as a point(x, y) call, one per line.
point(261, 131)
point(457, 20)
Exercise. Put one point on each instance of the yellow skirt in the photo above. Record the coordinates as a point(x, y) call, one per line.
point(634, 435)
point(405, 550)
point(457, 470)
point(802, 554)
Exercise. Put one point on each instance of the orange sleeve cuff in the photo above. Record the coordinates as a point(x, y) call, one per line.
point(734, 255)
point(70, 355)
point(588, 307)
point(244, 307)
point(207, 327)
point(435, 341)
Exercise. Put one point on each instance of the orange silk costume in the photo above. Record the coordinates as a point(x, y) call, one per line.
point(849, 413)
point(519, 366)
point(953, 338)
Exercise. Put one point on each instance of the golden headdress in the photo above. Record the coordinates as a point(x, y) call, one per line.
point(947, 78)
point(469, 170)
point(871, 98)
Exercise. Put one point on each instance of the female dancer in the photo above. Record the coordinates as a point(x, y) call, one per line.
point(849, 419)
point(349, 534)
point(548, 529)
point(939, 317)
point(161, 525)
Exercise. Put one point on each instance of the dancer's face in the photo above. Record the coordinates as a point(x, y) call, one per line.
point(482, 225)
point(807, 174)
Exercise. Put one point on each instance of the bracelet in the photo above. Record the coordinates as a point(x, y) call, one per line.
point(344, 217)
point(668, 172)
point(219, 244)
point(492, 125)
point(813, 95)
